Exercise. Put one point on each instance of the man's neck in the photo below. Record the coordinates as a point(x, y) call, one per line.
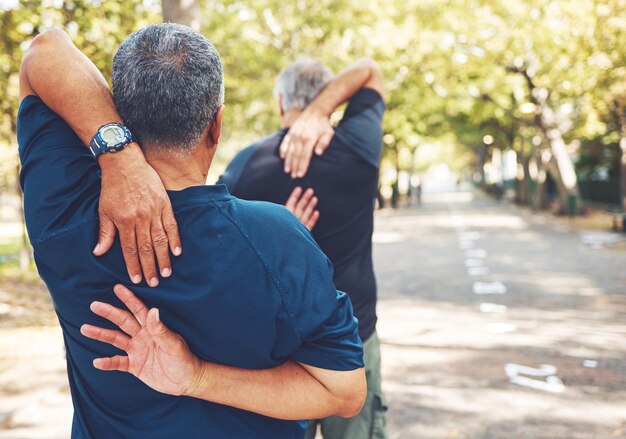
point(178, 173)
point(289, 117)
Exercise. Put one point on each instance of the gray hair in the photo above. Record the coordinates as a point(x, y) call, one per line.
point(167, 86)
point(300, 82)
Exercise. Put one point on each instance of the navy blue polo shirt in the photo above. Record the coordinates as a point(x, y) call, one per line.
point(251, 289)
point(345, 180)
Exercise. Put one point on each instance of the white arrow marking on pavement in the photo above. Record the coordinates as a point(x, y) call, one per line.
point(551, 384)
point(488, 287)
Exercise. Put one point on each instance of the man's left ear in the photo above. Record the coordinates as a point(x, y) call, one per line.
point(215, 129)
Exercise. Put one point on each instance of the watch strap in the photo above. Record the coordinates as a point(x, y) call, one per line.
point(97, 148)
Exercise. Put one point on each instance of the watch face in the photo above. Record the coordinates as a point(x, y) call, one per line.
point(113, 136)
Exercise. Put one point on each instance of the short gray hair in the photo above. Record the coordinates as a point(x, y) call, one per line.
point(167, 86)
point(300, 82)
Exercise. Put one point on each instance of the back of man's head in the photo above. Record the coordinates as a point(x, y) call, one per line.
point(167, 86)
point(300, 82)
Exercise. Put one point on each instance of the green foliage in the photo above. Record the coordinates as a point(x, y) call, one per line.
point(96, 27)
point(448, 64)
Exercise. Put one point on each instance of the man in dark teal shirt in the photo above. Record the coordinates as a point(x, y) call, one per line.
point(252, 294)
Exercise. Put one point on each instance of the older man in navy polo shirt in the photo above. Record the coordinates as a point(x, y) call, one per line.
point(269, 339)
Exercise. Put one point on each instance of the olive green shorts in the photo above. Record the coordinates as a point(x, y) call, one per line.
point(370, 422)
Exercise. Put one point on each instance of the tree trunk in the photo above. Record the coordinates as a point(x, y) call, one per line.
point(482, 158)
point(521, 184)
point(620, 117)
point(182, 12)
point(565, 174)
point(545, 119)
point(622, 144)
point(25, 255)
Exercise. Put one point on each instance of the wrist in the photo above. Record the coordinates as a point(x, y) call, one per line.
point(319, 109)
point(199, 379)
point(130, 155)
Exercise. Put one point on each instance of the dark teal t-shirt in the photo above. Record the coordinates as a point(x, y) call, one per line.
point(345, 180)
point(251, 289)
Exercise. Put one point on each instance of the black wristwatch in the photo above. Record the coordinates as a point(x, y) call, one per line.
point(110, 137)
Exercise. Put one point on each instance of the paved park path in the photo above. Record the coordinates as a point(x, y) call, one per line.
point(496, 323)
point(467, 287)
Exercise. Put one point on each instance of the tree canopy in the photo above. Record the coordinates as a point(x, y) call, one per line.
point(524, 72)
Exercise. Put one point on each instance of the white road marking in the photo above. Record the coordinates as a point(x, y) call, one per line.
point(492, 308)
point(501, 328)
point(469, 236)
point(476, 253)
point(474, 263)
point(552, 383)
point(464, 245)
point(488, 287)
point(478, 271)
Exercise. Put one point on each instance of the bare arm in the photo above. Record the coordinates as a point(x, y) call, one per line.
point(162, 360)
point(312, 131)
point(133, 198)
point(290, 391)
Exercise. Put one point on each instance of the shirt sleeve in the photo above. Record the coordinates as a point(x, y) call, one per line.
point(322, 317)
point(59, 176)
point(361, 126)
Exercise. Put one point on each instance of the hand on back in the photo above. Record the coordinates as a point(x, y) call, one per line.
point(134, 202)
point(302, 205)
point(154, 354)
point(310, 133)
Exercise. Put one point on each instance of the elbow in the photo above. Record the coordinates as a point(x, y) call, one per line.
point(52, 41)
point(351, 401)
point(372, 65)
point(376, 79)
point(44, 46)
point(369, 62)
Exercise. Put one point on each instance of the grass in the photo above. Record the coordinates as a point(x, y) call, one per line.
point(10, 246)
point(10, 270)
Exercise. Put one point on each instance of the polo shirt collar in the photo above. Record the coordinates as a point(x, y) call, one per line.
point(195, 194)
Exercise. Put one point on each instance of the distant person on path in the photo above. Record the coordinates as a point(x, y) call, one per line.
point(341, 165)
point(395, 195)
point(268, 339)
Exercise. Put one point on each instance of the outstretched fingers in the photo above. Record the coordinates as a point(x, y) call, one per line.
point(312, 220)
point(167, 340)
point(110, 336)
point(119, 317)
point(132, 302)
point(293, 199)
point(118, 362)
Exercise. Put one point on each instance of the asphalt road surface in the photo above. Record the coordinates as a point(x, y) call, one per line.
point(496, 323)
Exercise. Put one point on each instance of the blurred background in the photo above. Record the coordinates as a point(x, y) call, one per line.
point(499, 244)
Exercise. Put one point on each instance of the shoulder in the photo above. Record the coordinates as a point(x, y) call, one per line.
point(266, 143)
point(361, 126)
point(272, 218)
point(33, 115)
point(365, 98)
point(272, 230)
point(237, 166)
